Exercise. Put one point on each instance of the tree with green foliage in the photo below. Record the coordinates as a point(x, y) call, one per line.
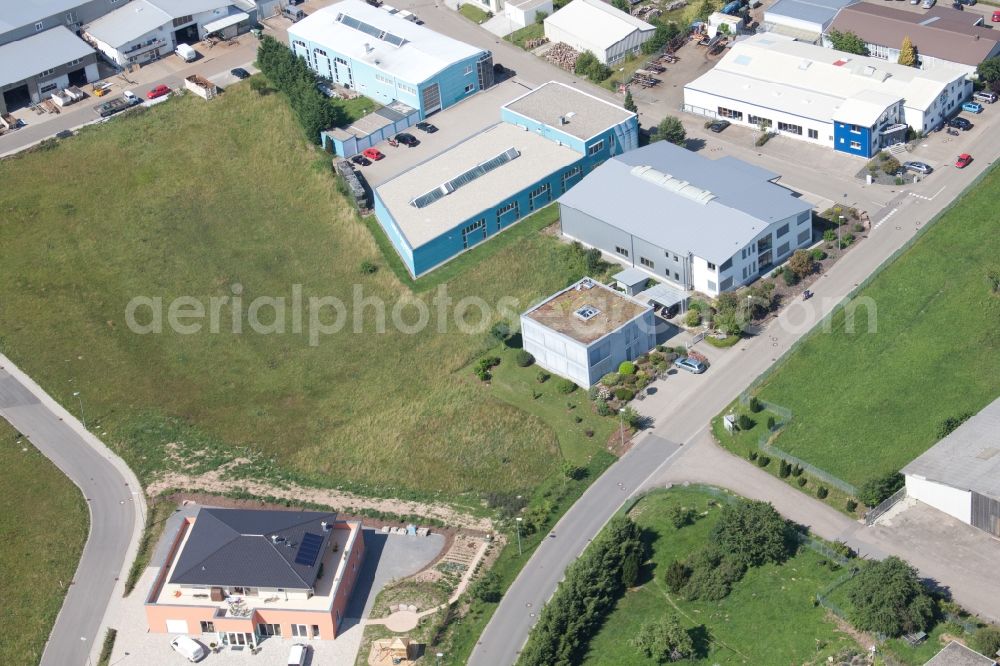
point(621, 5)
point(629, 103)
point(588, 592)
point(986, 641)
point(705, 10)
point(713, 573)
point(887, 597)
point(989, 70)
point(487, 588)
point(907, 53)
point(873, 491)
point(755, 533)
point(663, 641)
point(670, 129)
point(802, 263)
point(847, 42)
point(676, 576)
point(588, 65)
point(661, 37)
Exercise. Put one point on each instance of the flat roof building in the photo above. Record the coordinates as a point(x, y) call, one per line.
point(587, 330)
point(856, 104)
point(942, 36)
point(693, 222)
point(596, 26)
point(484, 184)
point(960, 475)
point(387, 58)
point(956, 654)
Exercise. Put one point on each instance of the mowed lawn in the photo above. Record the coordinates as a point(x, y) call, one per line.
point(768, 618)
point(44, 522)
point(868, 403)
point(192, 198)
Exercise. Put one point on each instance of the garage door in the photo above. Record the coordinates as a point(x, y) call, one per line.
point(177, 626)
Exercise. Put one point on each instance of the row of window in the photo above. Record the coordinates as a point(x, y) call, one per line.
point(729, 113)
point(407, 89)
point(382, 78)
point(790, 128)
point(596, 148)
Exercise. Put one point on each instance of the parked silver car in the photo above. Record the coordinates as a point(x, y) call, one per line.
point(919, 167)
point(690, 364)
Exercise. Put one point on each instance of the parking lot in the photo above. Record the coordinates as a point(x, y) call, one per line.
point(455, 124)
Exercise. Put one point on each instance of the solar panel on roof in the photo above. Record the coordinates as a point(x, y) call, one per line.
point(309, 549)
point(369, 29)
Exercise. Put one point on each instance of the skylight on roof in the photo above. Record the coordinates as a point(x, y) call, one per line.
point(369, 29)
point(465, 178)
point(587, 312)
point(742, 59)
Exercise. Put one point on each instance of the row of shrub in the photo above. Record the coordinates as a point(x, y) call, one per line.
point(587, 594)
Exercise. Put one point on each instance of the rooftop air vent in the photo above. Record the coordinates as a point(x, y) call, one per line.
point(585, 283)
point(587, 312)
point(277, 538)
point(325, 525)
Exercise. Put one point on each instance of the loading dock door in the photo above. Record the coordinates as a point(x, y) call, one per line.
point(78, 77)
point(17, 98)
point(431, 99)
point(187, 35)
point(177, 626)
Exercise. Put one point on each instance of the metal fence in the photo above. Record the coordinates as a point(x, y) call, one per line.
point(884, 506)
point(764, 443)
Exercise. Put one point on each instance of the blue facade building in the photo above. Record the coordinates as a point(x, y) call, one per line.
point(388, 58)
point(546, 142)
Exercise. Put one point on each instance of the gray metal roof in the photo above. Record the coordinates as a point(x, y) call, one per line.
point(234, 547)
point(27, 57)
point(956, 654)
point(739, 200)
point(812, 11)
point(968, 458)
point(663, 294)
point(631, 277)
point(19, 13)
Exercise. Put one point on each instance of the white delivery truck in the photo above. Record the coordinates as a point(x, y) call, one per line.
point(186, 53)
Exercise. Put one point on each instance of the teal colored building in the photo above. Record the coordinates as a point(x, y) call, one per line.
point(546, 141)
point(388, 58)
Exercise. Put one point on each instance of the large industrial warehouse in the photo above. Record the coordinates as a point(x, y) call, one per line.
point(960, 475)
point(854, 104)
point(388, 58)
point(596, 26)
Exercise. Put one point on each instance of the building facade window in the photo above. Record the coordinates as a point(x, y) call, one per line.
point(711, 266)
point(782, 230)
point(855, 145)
point(207, 627)
point(382, 78)
point(648, 263)
point(570, 177)
point(729, 113)
point(181, 20)
point(468, 70)
point(469, 88)
point(790, 128)
point(622, 251)
point(813, 134)
point(266, 629)
point(39, 26)
point(48, 72)
point(506, 210)
point(407, 89)
point(539, 196)
point(855, 129)
point(757, 120)
point(783, 249)
point(320, 52)
point(596, 148)
point(804, 236)
point(726, 265)
point(473, 233)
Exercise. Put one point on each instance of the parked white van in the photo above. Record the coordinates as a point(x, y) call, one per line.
point(188, 648)
point(297, 655)
point(186, 53)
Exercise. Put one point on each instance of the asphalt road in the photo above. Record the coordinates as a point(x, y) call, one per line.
point(684, 404)
point(114, 516)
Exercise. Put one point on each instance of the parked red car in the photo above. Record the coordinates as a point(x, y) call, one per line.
point(372, 154)
point(964, 160)
point(996, 16)
point(158, 91)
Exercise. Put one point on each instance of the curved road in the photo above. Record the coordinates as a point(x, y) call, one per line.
point(684, 404)
point(114, 498)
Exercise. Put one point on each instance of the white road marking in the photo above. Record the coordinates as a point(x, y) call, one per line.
point(887, 216)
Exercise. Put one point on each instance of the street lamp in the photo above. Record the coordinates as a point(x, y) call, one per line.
point(441, 654)
point(621, 423)
point(840, 245)
point(82, 417)
point(519, 553)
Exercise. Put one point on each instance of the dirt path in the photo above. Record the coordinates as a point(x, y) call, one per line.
point(346, 502)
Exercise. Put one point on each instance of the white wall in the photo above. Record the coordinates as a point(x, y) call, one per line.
point(954, 502)
point(794, 23)
point(707, 104)
point(556, 353)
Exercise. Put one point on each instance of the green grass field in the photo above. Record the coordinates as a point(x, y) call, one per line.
point(527, 33)
point(473, 13)
point(45, 523)
point(768, 618)
point(867, 403)
point(191, 198)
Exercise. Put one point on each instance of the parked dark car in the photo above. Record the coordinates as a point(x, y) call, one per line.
point(961, 123)
point(719, 125)
point(361, 160)
point(407, 139)
point(240, 73)
point(426, 127)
